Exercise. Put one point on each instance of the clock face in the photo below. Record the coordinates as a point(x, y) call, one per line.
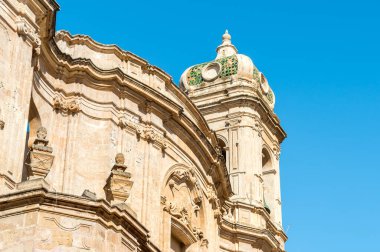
point(211, 71)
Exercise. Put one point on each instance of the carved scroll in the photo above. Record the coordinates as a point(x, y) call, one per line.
point(144, 132)
point(66, 107)
point(28, 32)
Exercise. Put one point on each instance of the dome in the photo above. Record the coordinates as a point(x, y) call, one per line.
point(227, 64)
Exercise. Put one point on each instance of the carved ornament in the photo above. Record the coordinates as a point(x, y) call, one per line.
point(144, 132)
point(213, 199)
point(41, 159)
point(233, 122)
point(183, 200)
point(119, 183)
point(182, 214)
point(277, 151)
point(66, 107)
point(28, 32)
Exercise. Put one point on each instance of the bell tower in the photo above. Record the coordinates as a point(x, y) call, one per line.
point(238, 104)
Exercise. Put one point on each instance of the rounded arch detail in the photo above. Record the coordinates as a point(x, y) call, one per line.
point(184, 205)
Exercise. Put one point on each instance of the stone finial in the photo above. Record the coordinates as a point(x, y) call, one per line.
point(41, 133)
point(119, 182)
point(226, 37)
point(40, 142)
point(226, 48)
point(119, 162)
point(41, 159)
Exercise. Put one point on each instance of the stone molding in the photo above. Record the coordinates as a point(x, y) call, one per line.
point(247, 98)
point(27, 199)
point(6, 181)
point(271, 231)
point(112, 49)
point(272, 171)
point(244, 233)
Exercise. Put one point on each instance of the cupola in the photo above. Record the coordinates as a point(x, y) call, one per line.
point(227, 67)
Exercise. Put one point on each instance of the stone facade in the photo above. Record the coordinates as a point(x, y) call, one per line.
point(101, 151)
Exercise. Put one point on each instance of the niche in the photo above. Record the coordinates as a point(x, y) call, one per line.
point(34, 122)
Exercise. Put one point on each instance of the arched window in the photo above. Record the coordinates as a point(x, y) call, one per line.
point(268, 180)
point(266, 160)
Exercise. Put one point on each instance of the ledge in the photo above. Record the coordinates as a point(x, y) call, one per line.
point(36, 195)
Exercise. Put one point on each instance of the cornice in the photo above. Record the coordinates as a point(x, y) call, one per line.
point(41, 199)
point(111, 49)
point(260, 210)
point(266, 115)
point(128, 56)
point(248, 234)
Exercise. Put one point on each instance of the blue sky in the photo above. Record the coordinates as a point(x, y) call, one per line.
point(322, 60)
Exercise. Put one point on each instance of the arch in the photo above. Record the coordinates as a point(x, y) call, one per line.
point(224, 146)
point(266, 160)
point(184, 213)
point(199, 173)
point(34, 122)
point(268, 174)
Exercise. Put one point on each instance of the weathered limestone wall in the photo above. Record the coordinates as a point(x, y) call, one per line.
point(86, 141)
point(17, 44)
point(50, 221)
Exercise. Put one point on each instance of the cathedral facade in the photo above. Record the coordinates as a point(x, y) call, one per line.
point(101, 151)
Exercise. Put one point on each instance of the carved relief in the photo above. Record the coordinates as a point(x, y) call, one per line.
point(66, 107)
point(144, 132)
point(213, 199)
point(41, 159)
point(183, 201)
point(119, 183)
point(276, 151)
point(28, 32)
point(228, 214)
point(78, 237)
point(233, 122)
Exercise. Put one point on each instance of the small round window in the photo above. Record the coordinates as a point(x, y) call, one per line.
point(211, 71)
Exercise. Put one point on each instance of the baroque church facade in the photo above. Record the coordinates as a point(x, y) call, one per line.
point(118, 158)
